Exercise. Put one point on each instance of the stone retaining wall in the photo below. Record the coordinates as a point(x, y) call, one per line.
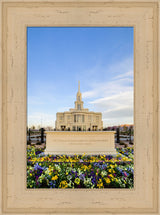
point(80, 142)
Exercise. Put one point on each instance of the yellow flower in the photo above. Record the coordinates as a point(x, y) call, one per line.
point(116, 180)
point(30, 174)
point(63, 184)
point(100, 183)
point(77, 181)
point(54, 177)
point(84, 167)
point(111, 175)
point(111, 171)
point(107, 180)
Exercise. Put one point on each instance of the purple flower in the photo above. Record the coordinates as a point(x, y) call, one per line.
point(37, 167)
point(125, 174)
point(37, 152)
point(52, 184)
point(93, 180)
point(82, 176)
point(92, 172)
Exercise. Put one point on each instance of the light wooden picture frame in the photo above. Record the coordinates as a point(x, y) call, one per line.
point(15, 17)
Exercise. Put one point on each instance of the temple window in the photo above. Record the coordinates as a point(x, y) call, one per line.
point(82, 118)
point(74, 118)
point(78, 118)
point(61, 118)
point(79, 107)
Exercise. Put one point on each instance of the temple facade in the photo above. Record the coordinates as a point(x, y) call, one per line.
point(79, 118)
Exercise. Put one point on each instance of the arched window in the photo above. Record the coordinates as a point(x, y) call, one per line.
point(79, 106)
point(74, 118)
point(82, 118)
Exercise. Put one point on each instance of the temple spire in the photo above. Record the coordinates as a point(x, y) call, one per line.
point(79, 86)
point(79, 102)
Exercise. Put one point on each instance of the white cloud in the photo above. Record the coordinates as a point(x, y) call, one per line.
point(118, 98)
point(121, 67)
point(117, 107)
point(42, 119)
point(124, 75)
point(109, 88)
point(120, 112)
point(114, 97)
point(90, 94)
point(62, 109)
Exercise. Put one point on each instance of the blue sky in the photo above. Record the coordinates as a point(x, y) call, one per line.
point(100, 57)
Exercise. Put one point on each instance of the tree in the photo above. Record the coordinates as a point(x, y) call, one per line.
point(33, 127)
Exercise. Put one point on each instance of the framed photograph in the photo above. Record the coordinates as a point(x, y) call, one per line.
point(80, 147)
point(101, 57)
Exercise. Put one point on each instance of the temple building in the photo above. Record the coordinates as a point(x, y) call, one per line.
point(79, 118)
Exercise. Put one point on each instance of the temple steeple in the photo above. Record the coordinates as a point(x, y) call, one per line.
point(79, 94)
point(79, 102)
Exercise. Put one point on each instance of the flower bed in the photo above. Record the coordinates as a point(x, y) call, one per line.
point(80, 171)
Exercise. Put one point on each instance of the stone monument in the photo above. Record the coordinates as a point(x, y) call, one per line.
point(80, 142)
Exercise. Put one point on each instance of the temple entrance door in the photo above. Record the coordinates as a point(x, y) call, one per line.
point(94, 128)
point(63, 127)
point(79, 128)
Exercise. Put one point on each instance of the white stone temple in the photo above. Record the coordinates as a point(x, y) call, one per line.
point(79, 118)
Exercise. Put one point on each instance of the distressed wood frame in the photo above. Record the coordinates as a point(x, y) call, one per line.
point(15, 17)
